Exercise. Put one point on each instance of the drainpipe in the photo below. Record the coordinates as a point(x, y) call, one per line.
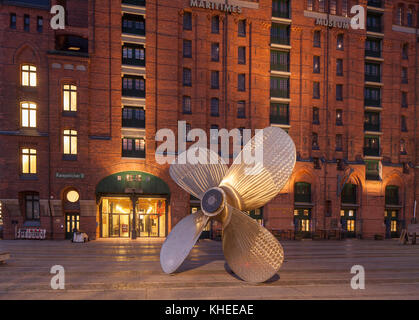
point(326, 91)
point(49, 154)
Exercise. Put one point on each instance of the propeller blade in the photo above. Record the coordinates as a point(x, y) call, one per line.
point(255, 184)
point(251, 251)
point(196, 178)
point(181, 240)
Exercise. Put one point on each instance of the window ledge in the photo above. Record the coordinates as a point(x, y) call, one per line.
point(70, 157)
point(28, 176)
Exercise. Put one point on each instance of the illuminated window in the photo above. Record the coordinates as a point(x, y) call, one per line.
point(350, 225)
point(305, 225)
point(393, 225)
point(70, 142)
point(29, 161)
point(69, 97)
point(28, 114)
point(28, 73)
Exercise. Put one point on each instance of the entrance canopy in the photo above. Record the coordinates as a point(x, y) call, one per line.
point(132, 181)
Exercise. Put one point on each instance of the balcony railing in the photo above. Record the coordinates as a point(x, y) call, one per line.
point(140, 3)
point(375, 3)
point(281, 14)
point(280, 67)
point(373, 53)
point(377, 29)
point(371, 127)
point(133, 153)
point(372, 102)
point(133, 93)
point(372, 78)
point(279, 119)
point(280, 93)
point(133, 123)
point(374, 152)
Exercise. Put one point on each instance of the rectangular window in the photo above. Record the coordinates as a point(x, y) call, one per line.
point(279, 113)
point(133, 117)
point(280, 60)
point(133, 54)
point(372, 97)
point(339, 42)
point(26, 22)
point(404, 100)
point(215, 52)
point(372, 146)
point(133, 86)
point(215, 79)
point(241, 82)
point(187, 48)
point(280, 87)
point(316, 90)
point(70, 142)
point(39, 24)
point(339, 92)
point(315, 141)
point(322, 6)
point(316, 116)
point(372, 121)
point(214, 134)
point(215, 24)
point(29, 161)
point(374, 22)
point(373, 48)
point(373, 72)
point(28, 115)
point(187, 21)
point(214, 107)
point(405, 52)
point(403, 124)
point(316, 64)
point(372, 170)
point(241, 55)
point(338, 142)
point(28, 76)
point(332, 7)
point(242, 28)
point(404, 76)
point(280, 34)
point(241, 109)
point(187, 77)
point(281, 9)
point(339, 67)
point(13, 20)
point(133, 24)
point(133, 147)
point(69, 97)
point(339, 117)
point(344, 4)
point(32, 207)
point(317, 39)
point(186, 104)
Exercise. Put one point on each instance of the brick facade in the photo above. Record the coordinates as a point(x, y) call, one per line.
point(100, 99)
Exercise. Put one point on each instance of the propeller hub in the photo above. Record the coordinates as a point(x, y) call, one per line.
point(213, 202)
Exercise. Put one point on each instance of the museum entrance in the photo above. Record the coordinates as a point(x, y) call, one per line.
point(117, 217)
point(132, 204)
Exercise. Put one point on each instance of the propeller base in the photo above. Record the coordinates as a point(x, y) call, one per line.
point(213, 202)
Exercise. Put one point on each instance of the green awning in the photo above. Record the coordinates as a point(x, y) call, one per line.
point(125, 182)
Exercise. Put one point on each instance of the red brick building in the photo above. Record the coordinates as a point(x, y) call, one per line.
point(80, 108)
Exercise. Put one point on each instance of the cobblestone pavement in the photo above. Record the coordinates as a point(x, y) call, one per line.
point(126, 269)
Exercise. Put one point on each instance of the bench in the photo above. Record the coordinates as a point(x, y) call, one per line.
point(4, 256)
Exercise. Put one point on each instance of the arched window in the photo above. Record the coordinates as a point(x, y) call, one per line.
point(392, 195)
point(349, 193)
point(302, 192)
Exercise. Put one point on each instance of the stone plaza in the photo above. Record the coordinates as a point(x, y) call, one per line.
point(127, 269)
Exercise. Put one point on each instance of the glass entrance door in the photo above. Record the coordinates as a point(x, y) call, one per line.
point(151, 217)
point(72, 221)
point(120, 225)
point(348, 222)
point(391, 218)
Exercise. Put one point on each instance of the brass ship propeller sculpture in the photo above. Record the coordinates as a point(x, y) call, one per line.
point(250, 250)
